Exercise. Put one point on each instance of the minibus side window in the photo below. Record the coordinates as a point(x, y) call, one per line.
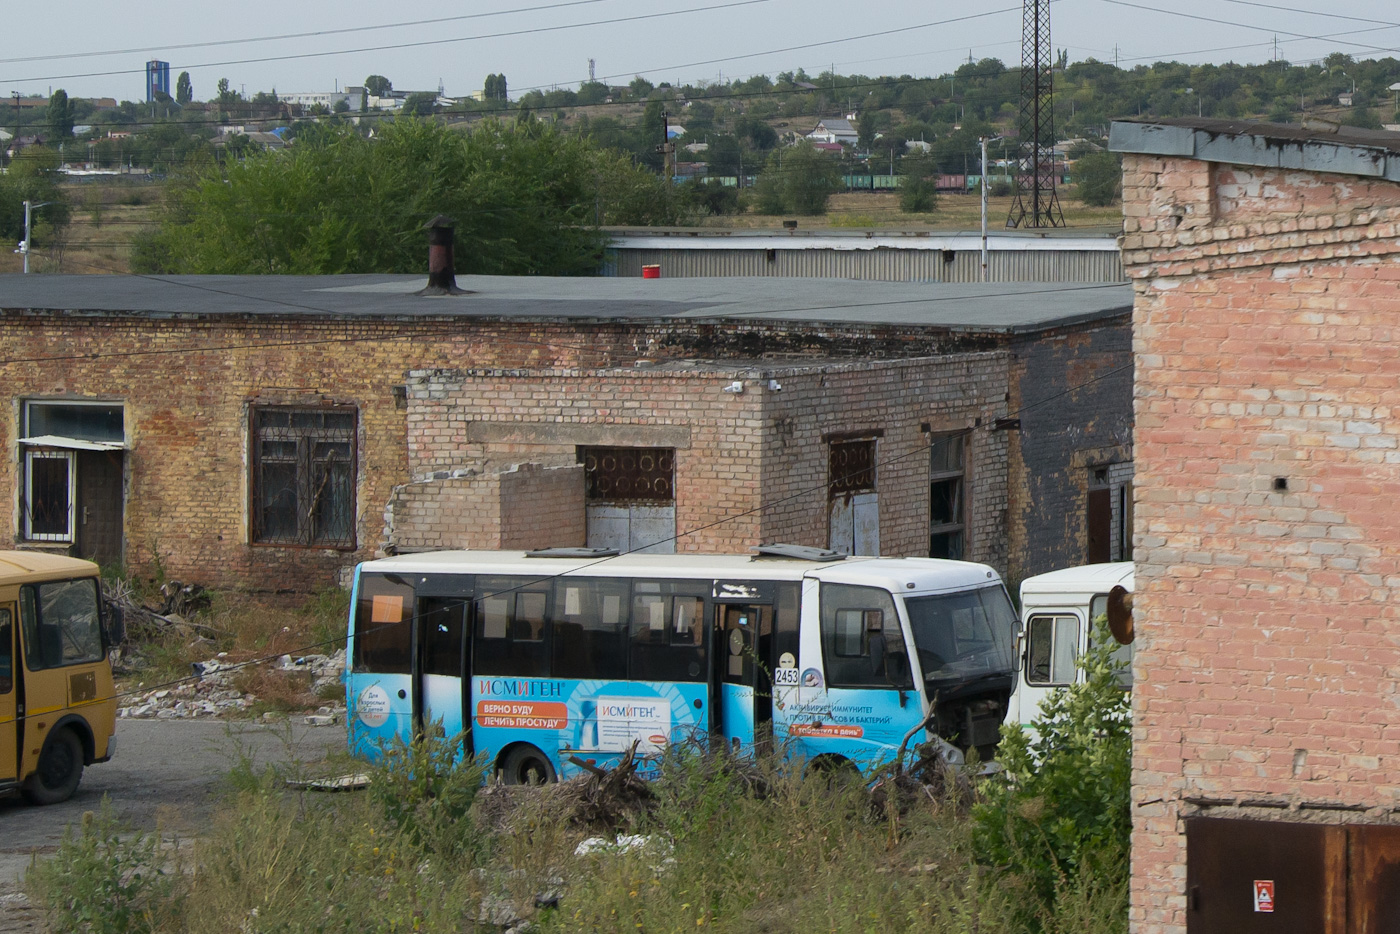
point(860, 636)
point(1052, 647)
point(7, 657)
point(61, 624)
point(383, 625)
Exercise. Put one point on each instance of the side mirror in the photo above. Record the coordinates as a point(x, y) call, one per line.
point(114, 628)
point(897, 668)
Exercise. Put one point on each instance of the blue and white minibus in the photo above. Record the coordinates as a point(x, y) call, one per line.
point(542, 658)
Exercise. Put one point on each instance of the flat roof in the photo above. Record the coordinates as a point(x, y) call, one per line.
point(1316, 146)
point(852, 241)
point(992, 306)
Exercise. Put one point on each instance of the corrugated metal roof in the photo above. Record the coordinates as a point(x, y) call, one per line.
point(1002, 306)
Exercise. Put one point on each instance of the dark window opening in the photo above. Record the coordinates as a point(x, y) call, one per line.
point(669, 622)
point(512, 635)
point(590, 628)
point(303, 476)
point(947, 497)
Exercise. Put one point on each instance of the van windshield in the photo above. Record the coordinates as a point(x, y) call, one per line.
point(963, 636)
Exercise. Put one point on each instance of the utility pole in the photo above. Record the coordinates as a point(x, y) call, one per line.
point(983, 186)
point(23, 250)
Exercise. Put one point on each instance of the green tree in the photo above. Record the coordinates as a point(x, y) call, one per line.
point(1099, 177)
point(632, 195)
point(797, 180)
point(495, 89)
point(524, 197)
point(60, 116)
point(865, 130)
point(33, 176)
point(641, 88)
point(378, 86)
point(184, 91)
point(420, 104)
point(918, 192)
point(1057, 819)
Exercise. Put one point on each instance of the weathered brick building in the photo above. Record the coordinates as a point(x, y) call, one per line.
point(267, 432)
point(1267, 455)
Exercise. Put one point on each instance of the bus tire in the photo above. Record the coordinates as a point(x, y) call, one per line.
point(526, 765)
point(60, 769)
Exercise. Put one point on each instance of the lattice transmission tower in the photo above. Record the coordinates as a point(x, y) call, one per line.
point(1036, 204)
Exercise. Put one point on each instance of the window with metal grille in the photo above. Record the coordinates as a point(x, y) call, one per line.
point(852, 467)
point(628, 475)
point(303, 476)
point(947, 497)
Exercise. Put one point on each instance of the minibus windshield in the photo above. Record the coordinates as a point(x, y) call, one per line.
point(963, 636)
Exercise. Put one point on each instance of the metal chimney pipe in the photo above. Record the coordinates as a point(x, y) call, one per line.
point(442, 272)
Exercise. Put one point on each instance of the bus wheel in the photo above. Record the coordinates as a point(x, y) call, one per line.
point(60, 769)
point(526, 765)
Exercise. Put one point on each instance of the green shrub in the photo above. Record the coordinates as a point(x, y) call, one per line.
point(1056, 822)
point(100, 883)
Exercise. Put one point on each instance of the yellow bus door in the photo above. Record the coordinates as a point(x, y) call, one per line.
point(9, 728)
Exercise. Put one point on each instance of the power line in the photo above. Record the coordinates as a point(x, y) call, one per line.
point(299, 35)
point(534, 30)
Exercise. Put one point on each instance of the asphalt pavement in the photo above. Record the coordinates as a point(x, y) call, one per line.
point(166, 771)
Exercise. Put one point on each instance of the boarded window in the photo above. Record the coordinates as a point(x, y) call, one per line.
point(303, 476)
point(630, 498)
point(947, 498)
point(854, 510)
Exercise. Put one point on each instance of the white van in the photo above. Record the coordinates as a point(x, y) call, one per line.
point(1057, 613)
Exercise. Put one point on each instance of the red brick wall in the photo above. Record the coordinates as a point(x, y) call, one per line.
point(750, 467)
point(1266, 337)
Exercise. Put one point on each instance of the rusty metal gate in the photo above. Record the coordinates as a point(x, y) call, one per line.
point(1244, 876)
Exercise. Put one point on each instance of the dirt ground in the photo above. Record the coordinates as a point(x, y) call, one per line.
point(166, 771)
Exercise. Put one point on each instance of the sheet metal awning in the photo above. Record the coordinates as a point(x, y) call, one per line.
point(72, 444)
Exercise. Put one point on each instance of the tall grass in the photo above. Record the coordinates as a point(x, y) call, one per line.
point(749, 848)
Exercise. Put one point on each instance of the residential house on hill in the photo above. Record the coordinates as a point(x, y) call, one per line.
point(834, 130)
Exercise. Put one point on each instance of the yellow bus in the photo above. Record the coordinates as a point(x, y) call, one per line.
point(58, 709)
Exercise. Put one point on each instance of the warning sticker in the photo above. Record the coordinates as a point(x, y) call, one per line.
point(1263, 894)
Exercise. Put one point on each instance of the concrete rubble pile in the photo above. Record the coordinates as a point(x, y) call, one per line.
point(211, 692)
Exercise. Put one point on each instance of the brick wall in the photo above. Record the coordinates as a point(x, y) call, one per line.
point(1265, 330)
point(186, 383)
point(1072, 391)
point(522, 506)
point(750, 467)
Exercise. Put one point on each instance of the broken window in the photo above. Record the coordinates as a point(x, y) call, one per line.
point(303, 476)
point(947, 497)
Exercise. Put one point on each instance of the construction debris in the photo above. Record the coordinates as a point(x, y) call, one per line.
point(211, 692)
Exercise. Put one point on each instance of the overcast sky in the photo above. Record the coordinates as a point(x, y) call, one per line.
point(64, 45)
